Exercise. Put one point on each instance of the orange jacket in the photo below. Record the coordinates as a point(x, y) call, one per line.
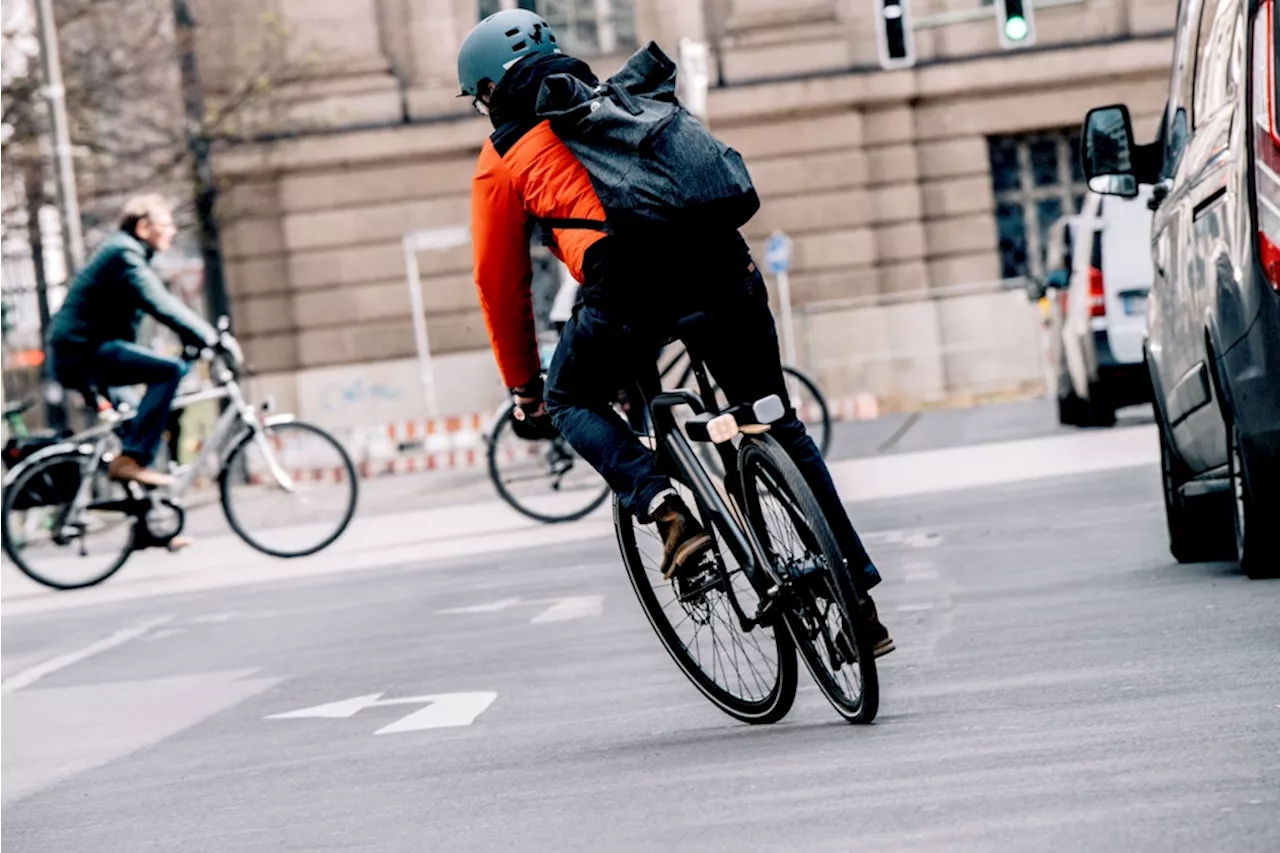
point(536, 177)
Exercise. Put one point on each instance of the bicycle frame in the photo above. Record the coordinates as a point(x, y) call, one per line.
point(237, 417)
point(740, 539)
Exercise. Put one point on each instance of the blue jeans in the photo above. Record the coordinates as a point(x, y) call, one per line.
point(120, 363)
point(604, 348)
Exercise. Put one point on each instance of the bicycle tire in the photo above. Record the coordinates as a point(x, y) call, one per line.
point(763, 454)
point(503, 424)
point(824, 413)
point(17, 487)
point(771, 707)
point(225, 484)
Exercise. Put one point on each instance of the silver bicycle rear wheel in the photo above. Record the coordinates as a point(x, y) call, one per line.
point(56, 544)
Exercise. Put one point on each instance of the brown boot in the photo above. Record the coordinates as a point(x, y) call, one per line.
point(881, 642)
point(683, 539)
point(126, 469)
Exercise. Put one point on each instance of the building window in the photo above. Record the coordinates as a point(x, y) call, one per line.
point(583, 27)
point(1036, 179)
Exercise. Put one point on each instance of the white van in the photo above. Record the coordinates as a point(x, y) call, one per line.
point(1099, 296)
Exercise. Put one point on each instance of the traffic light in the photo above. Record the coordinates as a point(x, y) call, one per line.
point(893, 35)
point(1015, 23)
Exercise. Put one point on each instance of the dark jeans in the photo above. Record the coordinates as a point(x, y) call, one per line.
point(607, 347)
point(120, 363)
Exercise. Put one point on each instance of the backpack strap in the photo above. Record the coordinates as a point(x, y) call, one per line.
point(550, 222)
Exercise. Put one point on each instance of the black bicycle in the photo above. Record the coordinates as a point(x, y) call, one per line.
point(547, 481)
point(775, 580)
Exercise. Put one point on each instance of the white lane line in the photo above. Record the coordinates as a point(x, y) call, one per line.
point(914, 608)
point(30, 676)
point(572, 607)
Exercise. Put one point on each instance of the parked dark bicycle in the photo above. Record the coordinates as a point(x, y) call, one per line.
point(547, 481)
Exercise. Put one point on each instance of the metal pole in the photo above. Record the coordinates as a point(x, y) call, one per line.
point(414, 276)
point(788, 331)
point(64, 171)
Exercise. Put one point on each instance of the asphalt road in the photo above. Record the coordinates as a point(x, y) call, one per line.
point(1060, 683)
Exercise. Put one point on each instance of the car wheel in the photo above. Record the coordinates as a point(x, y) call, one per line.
point(1257, 545)
point(1200, 529)
point(1102, 412)
point(1072, 411)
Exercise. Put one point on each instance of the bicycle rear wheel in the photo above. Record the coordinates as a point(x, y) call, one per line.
point(54, 546)
point(545, 480)
point(300, 514)
point(823, 613)
point(751, 676)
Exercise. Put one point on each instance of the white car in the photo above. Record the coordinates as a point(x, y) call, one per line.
point(1099, 296)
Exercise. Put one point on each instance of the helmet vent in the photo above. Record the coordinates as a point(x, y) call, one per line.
point(519, 46)
point(513, 31)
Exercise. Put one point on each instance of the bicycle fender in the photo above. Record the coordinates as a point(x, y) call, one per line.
point(43, 453)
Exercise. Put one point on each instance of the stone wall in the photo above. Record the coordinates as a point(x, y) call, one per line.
point(881, 178)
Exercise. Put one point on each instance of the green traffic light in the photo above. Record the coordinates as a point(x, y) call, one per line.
point(1016, 29)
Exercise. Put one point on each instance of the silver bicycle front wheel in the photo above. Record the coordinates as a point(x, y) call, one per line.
point(289, 489)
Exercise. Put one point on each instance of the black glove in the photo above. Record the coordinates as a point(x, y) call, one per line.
point(530, 420)
point(533, 427)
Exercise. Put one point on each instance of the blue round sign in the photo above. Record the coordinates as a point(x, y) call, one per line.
point(777, 253)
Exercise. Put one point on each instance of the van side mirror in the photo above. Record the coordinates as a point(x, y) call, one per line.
point(1107, 151)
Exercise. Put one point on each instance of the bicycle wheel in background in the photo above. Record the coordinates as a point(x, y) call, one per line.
point(749, 675)
point(822, 606)
point(545, 480)
point(302, 514)
point(810, 405)
point(54, 549)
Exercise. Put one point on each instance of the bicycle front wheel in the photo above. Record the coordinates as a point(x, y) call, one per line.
point(823, 613)
point(53, 541)
point(289, 489)
point(545, 480)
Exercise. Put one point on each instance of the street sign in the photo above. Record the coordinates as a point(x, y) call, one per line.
point(777, 253)
point(441, 711)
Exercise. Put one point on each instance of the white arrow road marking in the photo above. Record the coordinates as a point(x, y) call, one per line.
point(30, 676)
point(561, 609)
point(445, 711)
point(573, 607)
point(491, 607)
point(442, 711)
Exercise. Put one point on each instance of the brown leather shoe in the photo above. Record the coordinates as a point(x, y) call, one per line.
point(683, 539)
point(881, 642)
point(126, 469)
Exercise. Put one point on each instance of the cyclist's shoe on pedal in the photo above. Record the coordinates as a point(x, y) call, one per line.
point(881, 642)
point(126, 469)
point(683, 539)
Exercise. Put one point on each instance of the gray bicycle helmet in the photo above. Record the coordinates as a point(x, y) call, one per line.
point(497, 43)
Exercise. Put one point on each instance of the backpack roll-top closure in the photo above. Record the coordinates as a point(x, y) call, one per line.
point(649, 159)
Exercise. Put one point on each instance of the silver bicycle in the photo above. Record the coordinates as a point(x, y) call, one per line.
point(287, 488)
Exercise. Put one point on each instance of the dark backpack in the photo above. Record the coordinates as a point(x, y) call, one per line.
point(649, 159)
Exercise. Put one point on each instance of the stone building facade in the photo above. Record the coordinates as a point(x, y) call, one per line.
point(909, 194)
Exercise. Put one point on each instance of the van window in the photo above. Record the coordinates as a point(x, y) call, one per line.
point(1214, 78)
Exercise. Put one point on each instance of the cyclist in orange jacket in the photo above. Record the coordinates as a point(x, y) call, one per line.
point(637, 279)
